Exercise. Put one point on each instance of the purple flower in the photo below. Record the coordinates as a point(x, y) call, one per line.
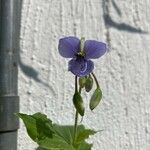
point(81, 52)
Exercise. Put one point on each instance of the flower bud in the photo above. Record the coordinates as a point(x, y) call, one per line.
point(89, 84)
point(78, 103)
point(82, 81)
point(95, 99)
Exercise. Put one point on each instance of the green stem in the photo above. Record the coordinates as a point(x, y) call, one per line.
point(97, 84)
point(75, 126)
point(76, 84)
point(82, 41)
point(77, 114)
point(80, 90)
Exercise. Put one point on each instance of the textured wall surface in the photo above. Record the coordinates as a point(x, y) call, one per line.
point(124, 73)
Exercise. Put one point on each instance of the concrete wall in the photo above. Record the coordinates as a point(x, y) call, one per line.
point(124, 73)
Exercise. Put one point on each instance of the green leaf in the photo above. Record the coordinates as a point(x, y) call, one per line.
point(89, 84)
point(55, 143)
point(84, 135)
point(38, 125)
point(41, 130)
point(95, 99)
point(78, 103)
point(30, 124)
point(44, 126)
point(55, 137)
point(66, 132)
point(84, 146)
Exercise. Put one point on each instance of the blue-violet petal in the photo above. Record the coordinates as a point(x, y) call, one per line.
point(81, 67)
point(94, 49)
point(69, 46)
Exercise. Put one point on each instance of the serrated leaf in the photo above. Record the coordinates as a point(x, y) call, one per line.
point(55, 143)
point(41, 130)
point(38, 126)
point(66, 132)
point(95, 99)
point(52, 136)
point(44, 126)
point(30, 124)
point(84, 135)
point(84, 146)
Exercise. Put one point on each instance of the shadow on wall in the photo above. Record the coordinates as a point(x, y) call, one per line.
point(109, 23)
point(31, 72)
point(28, 70)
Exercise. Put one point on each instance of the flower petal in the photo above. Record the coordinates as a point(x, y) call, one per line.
point(94, 49)
point(81, 67)
point(69, 46)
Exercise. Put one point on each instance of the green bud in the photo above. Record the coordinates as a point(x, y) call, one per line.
point(89, 84)
point(82, 81)
point(78, 103)
point(95, 99)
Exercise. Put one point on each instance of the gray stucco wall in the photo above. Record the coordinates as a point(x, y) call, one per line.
point(124, 73)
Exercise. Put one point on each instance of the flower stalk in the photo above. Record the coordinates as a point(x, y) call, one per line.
point(77, 114)
point(75, 126)
point(96, 81)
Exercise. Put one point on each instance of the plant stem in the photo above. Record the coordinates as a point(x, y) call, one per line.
point(97, 84)
point(77, 114)
point(76, 84)
point(75, 126)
